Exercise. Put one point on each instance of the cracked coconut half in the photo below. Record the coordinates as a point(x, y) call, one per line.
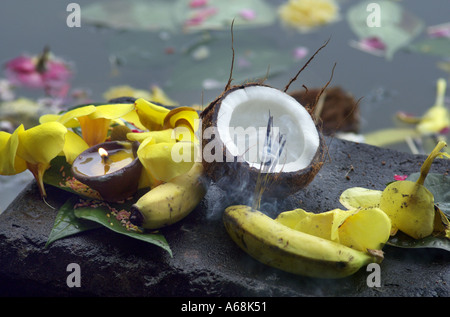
point(253, 133)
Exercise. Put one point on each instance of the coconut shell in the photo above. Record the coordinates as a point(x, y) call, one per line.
point(239, 177)
point(339, 113)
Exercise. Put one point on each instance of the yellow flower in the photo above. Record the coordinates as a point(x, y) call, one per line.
point(167, 148)
point(166, 159)
point(32, 149)
point(10, 163)
point(156, 94)
point(305, 15)
point(94, 122)
point(154, 117)
point(436, 119)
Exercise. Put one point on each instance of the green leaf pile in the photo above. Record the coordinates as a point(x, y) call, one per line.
point(71, 220)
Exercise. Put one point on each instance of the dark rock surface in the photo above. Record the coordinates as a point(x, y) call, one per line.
point(205, 261)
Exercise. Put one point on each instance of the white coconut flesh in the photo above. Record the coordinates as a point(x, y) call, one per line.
point(242, 126)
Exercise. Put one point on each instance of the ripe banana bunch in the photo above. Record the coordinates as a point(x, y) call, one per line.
point(170, 202)
point(275, 244)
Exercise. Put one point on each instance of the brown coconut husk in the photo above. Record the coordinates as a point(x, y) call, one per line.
point(337, 110)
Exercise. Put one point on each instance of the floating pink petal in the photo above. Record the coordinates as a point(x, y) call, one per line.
point(247, 14)
point(198, 3)
point(200, 16)
point(300, 52)
point(445, 130)
point(400, 177)
point(441, 30)
point(373, 43)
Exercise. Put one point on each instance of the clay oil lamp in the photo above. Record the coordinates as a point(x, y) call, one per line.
point(111, 168)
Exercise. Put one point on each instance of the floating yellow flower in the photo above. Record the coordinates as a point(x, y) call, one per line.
point(156, 94)
point(305, 15)
point(436, 119)
point(31, 149)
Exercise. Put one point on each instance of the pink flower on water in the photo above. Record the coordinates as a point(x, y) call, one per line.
point(197, 3)
point(372, 45)
point(200, 16)
point(247, 14)
point(400, 177)
point(51, 74)
point(300, 52)
point(441, 30)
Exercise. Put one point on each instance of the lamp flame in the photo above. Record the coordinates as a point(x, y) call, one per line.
point(103, 153)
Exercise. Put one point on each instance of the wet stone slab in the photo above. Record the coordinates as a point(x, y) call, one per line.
point(205, 261)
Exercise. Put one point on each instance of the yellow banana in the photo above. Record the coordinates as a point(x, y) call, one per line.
point(170, 202)
point(279, 246)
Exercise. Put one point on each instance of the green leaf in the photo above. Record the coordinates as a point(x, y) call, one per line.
point(439, 186)
point(103, 216)
point(59, 175)
point(401, 240)
point(71, 220)
point(225, 12)
point(432, 46)
point(132, 15)
point(67, 224)
point(397, 26)
point(170, 15)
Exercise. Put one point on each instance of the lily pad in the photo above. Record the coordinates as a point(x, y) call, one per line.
point(178, 16)
point(397, 27)
point(432, 46)
point(195, 59)
point(131, 15)
point(246, 13)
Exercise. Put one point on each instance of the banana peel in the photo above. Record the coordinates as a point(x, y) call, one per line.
point(337, 243)
point(361, 229)
point(277, 245)
point(409, 205)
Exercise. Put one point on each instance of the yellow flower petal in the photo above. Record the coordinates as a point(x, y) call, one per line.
point(10, 163)
point(73, 146)
point(68, 118)
point(94, 131)
point(158, 158)
point(38, 146)
point(185, 116)
point(112, 111)
point(133, 118)
point(150, 115)
point(41, 143)
point(162, 136)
